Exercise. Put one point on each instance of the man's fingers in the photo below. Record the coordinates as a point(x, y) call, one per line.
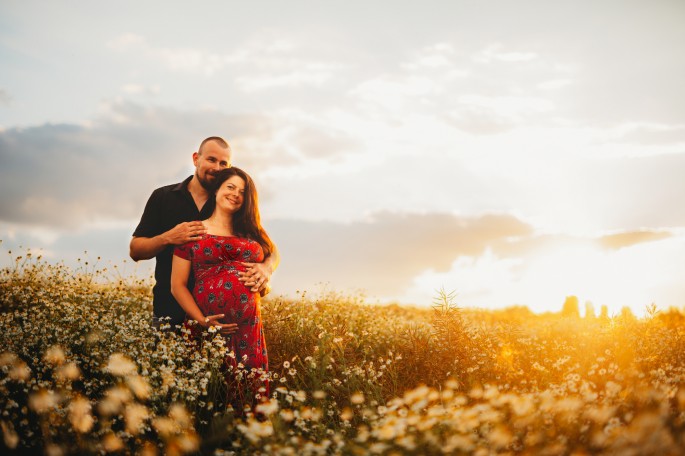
point(191, 226)
point(260, 285)
point(195, 228)
point(246, 272)
point(196, 232)
point(190, 231)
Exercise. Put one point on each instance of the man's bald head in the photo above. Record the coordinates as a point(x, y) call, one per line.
point(216, 139)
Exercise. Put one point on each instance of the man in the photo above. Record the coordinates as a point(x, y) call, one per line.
point(172, 217)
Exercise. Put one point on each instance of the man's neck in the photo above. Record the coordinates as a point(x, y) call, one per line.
point(198, 192)
point(196, 189)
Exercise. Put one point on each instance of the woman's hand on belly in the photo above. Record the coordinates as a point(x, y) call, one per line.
point(224, 328)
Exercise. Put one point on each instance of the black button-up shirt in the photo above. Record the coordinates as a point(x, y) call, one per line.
point(167, 207)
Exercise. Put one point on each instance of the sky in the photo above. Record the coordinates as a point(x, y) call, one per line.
point(513, 152)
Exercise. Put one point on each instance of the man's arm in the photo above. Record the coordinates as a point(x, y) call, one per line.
point(273, 260)
point(257, 275)
point(144, 248)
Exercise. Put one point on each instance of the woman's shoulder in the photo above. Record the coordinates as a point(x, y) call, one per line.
point(194, 244)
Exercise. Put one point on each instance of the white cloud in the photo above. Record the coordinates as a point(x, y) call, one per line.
point(633, 276)
point(495, 52)
point(184, 59)
point(382, 253)
point(471, 277)
point(140, 89)
point(394, 94)
point(555, 84)
point(69, 175)
point(257, 64)
point(644, 136)
point(516, 108)
point(125, 42)
point(313, 74)
point(5, 98)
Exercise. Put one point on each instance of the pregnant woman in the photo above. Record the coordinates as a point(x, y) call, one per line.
point(219, 298)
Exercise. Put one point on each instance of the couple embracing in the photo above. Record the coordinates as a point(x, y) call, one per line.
point(214, 259)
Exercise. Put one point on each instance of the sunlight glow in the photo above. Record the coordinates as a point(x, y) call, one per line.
point(631, 276)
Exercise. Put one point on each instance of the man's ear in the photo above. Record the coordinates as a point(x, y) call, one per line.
point(196, 156)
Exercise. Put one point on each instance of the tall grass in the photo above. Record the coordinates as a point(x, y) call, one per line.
point(81, 372)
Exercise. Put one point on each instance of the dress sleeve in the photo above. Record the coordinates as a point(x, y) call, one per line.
point(184, 251)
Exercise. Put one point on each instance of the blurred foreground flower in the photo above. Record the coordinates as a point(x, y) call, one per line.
point(267, 408)
point(55, 355)
point(43, 400)
point(9, 435)
point(121, 365)
point(68, 372)
point(255, 430)
point(80, 416)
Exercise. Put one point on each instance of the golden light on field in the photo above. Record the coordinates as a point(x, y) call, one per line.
point(346, 378)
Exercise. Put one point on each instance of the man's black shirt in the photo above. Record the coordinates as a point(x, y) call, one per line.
point(167, 207)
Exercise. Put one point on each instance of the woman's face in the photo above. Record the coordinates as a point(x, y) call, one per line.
point(229, 197)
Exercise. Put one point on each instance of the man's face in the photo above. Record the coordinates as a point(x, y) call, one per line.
point(211, 159)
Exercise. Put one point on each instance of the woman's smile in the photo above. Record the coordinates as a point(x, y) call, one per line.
point(230, 194)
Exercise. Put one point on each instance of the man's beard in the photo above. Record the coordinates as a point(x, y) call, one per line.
point(206, 183)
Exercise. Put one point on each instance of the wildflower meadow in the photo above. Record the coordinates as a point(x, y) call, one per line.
point(82, 372)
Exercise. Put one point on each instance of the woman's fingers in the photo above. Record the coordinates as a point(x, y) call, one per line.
point(214, 318)
point(228, 328)
point(224, 328)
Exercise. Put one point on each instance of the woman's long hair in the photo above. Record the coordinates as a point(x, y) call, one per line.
point(246, 221)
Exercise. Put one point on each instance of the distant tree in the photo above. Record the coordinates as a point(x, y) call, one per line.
point(673, 318)
point(589, 311)
point(515, 313)
point(627, 314)
point(604, 313)
point(570, 308)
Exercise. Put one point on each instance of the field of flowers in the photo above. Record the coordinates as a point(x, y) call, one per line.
point(81, 372)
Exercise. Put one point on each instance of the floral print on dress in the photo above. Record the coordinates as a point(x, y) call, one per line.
point(216, 261)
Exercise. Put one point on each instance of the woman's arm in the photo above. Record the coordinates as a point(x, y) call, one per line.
point(180, 272)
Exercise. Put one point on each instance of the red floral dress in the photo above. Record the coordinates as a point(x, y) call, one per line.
point(216, 261)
